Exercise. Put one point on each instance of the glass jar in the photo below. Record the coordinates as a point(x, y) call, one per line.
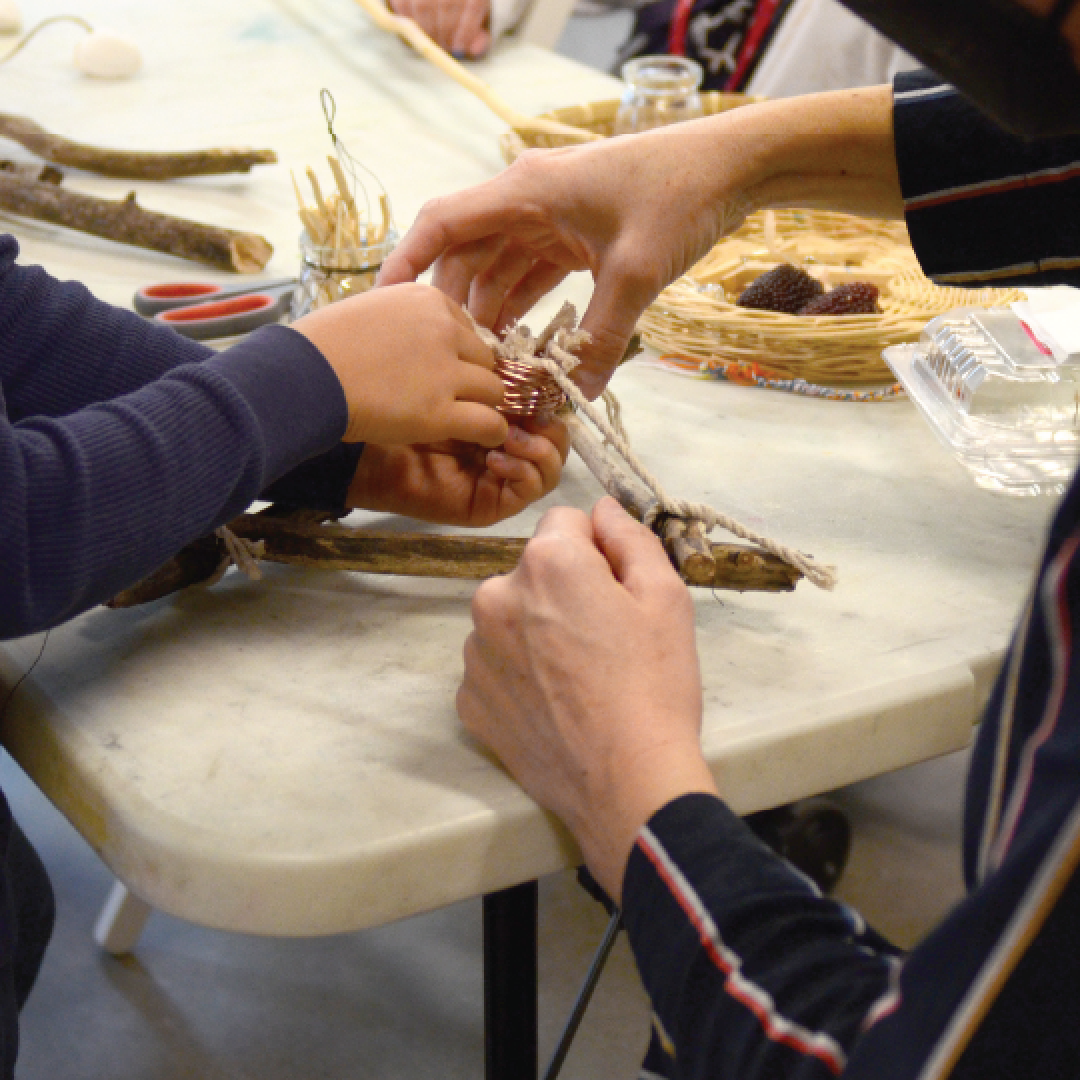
point(659, 90)
point(330, 273)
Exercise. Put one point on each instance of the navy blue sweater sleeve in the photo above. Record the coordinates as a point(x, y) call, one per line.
point(983, 206)
point(120, 442)
point(751, 972)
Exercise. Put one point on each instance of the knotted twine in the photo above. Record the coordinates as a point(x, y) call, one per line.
point(239, 552)
point(553, 351)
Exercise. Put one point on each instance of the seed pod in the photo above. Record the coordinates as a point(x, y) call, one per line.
point(858, 298)
point(785, 288)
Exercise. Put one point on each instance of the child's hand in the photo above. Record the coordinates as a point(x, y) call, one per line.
point(459, 484)
point(412, 368)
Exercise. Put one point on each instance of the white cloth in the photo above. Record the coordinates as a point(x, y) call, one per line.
point(820, 45)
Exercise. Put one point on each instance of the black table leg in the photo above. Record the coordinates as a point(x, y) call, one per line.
point(510, 1023)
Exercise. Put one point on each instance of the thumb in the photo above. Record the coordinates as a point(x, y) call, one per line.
point(634, 553)
point(610, 320)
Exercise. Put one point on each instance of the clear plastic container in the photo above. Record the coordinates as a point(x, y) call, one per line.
point(1008, 411)
point(659, 90)
point(328, 274)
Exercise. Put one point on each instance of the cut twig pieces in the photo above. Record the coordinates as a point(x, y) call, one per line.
point(128, 223)
point(304, 542)
point(336, 222)
point(130, 164)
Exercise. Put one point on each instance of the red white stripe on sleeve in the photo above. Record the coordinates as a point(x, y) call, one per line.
point(776, 1027)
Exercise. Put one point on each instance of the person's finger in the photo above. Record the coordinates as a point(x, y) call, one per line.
point(495, 282)
point(537, 283)
point(554, 430)
point(479, 44)
point(493, 607)
point(541, 452)
point(425, 15)
point(565, 521)
point(456, 270)
point(470, 22)
point(514, 470)
point(495, 208)
point(617, 303)
point(445, 19)
point(471, 349)
point(472, 422)
point(476, 383)
point(634, 553)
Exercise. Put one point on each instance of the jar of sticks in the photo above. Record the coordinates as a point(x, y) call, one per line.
point(342, 244)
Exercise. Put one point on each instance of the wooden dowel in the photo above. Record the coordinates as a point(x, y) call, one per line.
point(471, 558)
point(129, 164)
point(128, 223)
point(408, 30)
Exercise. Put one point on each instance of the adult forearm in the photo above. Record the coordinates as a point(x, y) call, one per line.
point(832, 151)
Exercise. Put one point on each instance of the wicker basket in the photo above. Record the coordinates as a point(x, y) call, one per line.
point(696, 317)
point(598, 117)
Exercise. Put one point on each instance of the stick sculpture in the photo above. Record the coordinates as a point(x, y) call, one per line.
point(308, 538)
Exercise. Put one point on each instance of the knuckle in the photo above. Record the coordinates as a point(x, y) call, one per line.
point(489, 603)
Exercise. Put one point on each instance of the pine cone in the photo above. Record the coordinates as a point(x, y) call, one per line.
point(858, 298)
point(785, 288)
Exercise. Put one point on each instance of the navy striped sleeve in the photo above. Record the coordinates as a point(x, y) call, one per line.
point(983, 206)
point(751, 972)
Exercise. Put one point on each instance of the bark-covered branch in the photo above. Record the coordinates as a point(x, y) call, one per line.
point(128, 223)
point(130, 164)
point(345, 547)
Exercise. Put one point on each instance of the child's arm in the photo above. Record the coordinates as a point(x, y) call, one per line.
point(93, 499)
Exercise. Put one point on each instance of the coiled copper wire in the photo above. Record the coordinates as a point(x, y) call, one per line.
point(531, 392)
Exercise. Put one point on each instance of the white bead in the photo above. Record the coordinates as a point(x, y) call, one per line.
point(10, 17)
point(106, 55)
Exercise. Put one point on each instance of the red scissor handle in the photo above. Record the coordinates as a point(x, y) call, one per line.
point(179, 291)
point(238, 305)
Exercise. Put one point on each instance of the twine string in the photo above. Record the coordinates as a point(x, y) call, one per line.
point(556, 357)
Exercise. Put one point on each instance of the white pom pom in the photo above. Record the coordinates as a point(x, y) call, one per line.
point(106, 55)
point(10, 17)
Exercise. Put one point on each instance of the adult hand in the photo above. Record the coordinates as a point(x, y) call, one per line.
point(582, 675)
point(412, 368)
point(639, 211)
point(456, 25)
point(635, 212)
point(461, 484)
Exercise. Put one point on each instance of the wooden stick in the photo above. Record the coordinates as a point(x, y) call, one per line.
point(634, 497)
point(470, 558)
point(689, 550)
point(319, 200)
point(342, 184)
point(384, 209)
point(130, 164)
point(408, 31)
point(128, 223)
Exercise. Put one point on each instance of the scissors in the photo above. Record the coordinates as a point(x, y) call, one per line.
point(201, 310)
